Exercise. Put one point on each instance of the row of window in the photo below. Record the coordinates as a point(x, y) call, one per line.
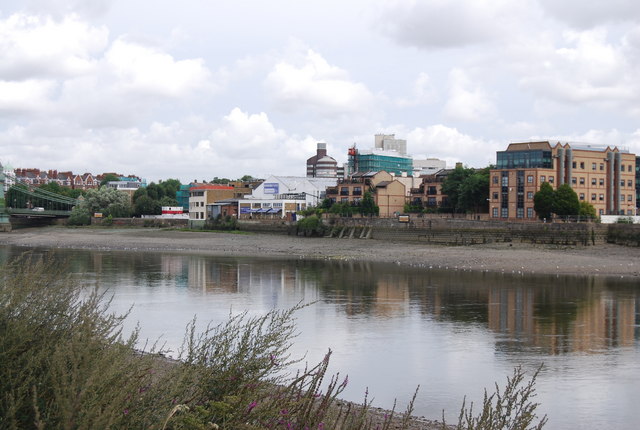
point(581, 196)
point(623, 168)
point(196, 204)
point(504, 212)
point(574, 181)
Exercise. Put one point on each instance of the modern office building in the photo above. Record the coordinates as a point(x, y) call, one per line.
point(376, 160)
point(603, 176)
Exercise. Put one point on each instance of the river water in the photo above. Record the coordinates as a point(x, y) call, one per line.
point(392, 328)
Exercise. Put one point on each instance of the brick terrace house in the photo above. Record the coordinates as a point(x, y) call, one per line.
point(429, 194)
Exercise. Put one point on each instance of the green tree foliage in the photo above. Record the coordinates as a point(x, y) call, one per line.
point(565, 202)
point(145, 205)
point(105, 200)
point(467, 189)
point(217, 180)
point(543, 201)
point(311, 226)
point(587, 211)
point(109, 177)
point(368, 205)
point(161, 194)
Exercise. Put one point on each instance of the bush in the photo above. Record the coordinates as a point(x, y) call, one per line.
point(311, 226)
point(222, 223)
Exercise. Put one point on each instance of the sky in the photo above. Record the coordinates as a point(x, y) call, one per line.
point(199, 89)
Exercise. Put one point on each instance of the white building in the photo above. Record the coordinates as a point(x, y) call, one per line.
point(284, 195)
point(388, 142)
point(428, 166)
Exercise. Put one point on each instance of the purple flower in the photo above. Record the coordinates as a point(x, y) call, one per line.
point(126, 412)
point(251, 406)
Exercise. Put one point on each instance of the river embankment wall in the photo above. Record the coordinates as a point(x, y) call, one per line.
point(445, 231)
point(452, 231)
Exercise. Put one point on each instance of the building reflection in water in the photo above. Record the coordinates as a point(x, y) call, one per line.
point(554, 315)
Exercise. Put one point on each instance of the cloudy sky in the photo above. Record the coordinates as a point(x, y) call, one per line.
point(199, 88)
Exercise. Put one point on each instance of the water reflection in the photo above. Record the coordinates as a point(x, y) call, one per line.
point(461, 330)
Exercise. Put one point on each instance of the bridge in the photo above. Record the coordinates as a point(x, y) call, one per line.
point(23, 200)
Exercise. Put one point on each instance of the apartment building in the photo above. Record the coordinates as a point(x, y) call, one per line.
point(600, 175)
point(203, 195)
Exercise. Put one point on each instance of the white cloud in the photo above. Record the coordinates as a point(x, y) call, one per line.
point(36, 47)
point(446, 24)
point(585, 69)
point(423, 92)
point(312, 84)
point(467, 101)
point(585, 14)
point(449, 144)
point(147, 70)
point(25, 96)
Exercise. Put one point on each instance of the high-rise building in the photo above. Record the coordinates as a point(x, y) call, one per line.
point(388, 142)
point(321, 165)
point(603, 176)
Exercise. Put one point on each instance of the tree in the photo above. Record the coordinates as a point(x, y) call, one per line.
point(368, 205)
point(587, 210)
point(565, 202)
point(467, 189)
point(247, 178)
point(543, 201)
point(474, 192)
point(109, 177)
point(145, 205)
point(170, 187)
point(105, 200)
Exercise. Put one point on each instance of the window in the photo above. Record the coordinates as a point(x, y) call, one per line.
point(622, 197)
point(495, 196)
point(593, 181)
point(344, 200)
point(530, 179)
point(519, 212)
point(357, 191)
point(529, 212)
point(574, 181)
point(601, 197)
point(629, 168)
point(495, 180)
point(495, 212)
point(601, 166)
point(543, 178)
point(551, 179)
point(344, 191)
point(582, 164)
point(601, 182)
point(593, 197)
point(622, 167)
point(505, 180)
point(622, 182)
point(530, 195)
point(630, 183)
point(505, 212)
point(581, 181)
point(601, 212)
point(581, 196)
point(593, 166)
point(630, 197)
point(573, 164)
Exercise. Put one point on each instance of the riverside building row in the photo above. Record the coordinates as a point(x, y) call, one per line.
point(603, 176)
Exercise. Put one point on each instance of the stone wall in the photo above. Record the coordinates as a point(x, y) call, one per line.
point(453, 231)
point(624, 234)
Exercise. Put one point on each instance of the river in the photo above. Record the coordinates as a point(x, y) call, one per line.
point(392, 327)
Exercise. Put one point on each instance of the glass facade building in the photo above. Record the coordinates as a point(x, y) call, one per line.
point(377, 162)
point(529, 159)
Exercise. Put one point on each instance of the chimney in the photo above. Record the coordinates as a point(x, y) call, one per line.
point(322, 150)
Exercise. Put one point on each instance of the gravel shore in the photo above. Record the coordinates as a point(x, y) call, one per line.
point(601, 260)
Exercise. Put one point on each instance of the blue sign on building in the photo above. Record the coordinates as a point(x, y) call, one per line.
point(271, 188)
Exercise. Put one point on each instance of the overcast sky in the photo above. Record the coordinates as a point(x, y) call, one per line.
point(199, 88)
